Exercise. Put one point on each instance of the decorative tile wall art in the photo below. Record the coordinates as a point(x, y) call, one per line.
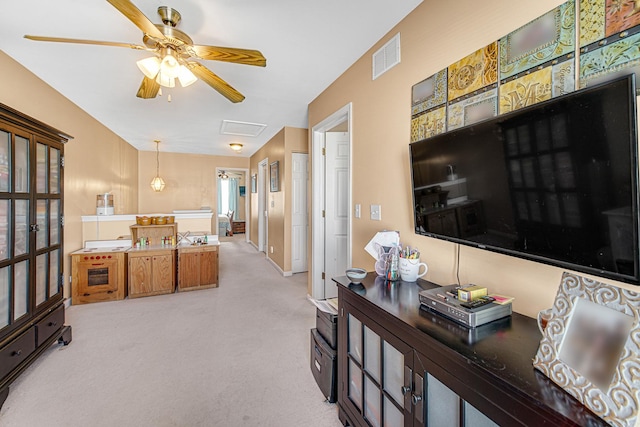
point(429, 124)
point(429, 93)
point(602, 19)
point(473, 109)
point(474, 72)
point(526, 90)
point(592, 21)
point(610, 61)
point(546, 38)
point(563, 78)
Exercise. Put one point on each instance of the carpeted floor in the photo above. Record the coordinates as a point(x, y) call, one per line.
point(237, 355)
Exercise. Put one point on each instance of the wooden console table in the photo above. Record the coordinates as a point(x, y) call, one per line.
point(401, 364)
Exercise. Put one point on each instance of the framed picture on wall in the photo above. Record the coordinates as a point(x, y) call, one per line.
point(242, 190)
point(254, 183)
point(274, 176)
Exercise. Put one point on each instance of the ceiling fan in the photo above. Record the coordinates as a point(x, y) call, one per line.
point(173, 53)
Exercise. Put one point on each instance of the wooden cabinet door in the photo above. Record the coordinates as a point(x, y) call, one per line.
point(162, 273)
point(209, 268)
point(139, 275)
point(189, 270)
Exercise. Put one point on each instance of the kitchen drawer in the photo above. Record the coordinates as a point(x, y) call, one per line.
point(17, 351)
point(49, 325)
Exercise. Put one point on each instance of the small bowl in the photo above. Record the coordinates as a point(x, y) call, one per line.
point(356, 275)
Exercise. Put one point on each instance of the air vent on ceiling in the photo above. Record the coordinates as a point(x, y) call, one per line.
point(230, 127)
point(386, 57)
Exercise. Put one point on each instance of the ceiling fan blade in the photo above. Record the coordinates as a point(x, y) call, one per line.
point(80, 41)
point(134, 14)
point(215, 82)
point(230, 54)
point(148, 89)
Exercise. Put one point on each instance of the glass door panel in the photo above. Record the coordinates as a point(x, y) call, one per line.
point(355, 384)
point(392, 415)
point(5, 297)
point(5, 206)
point(475, 418)
point(393, 372)
point(54, 171)
point(21, 289)
point(5, 157)
point(54, 222)
point(372, 410)
point(21, 170)
point(42, 169)
point(54, 273)
point(41, 278)
point(372, 354)
point(21, 233)
point(355, 338)
point(443, 405)
point(42, 235)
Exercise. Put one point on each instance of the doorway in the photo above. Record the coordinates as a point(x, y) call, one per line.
point(331, 220)
point(299, 212)
point(241, 209)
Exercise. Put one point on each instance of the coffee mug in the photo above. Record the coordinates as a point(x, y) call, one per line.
point(410, 269)
point(543, 318)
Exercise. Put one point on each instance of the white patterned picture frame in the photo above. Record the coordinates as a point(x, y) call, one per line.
point(616, 402)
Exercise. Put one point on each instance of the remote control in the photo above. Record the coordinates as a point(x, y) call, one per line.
point(477, 302)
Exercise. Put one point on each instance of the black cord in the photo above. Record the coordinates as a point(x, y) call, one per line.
point(458, 263)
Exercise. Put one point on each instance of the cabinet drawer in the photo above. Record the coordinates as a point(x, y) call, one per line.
point(49, 325)
point(17, 351)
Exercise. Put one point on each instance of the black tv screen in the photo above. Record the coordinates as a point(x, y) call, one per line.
point(556, 182)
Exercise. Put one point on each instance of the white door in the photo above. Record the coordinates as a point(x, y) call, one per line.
point(262, 206)
point(299, 214)
point(336, 208)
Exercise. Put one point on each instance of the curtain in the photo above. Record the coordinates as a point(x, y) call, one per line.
point(227, 196)
point(233, 195)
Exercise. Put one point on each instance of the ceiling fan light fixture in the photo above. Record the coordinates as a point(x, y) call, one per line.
point(236, 146)
point(185, 76)
point(170, 65)
point(164, 80)
point(149, 66)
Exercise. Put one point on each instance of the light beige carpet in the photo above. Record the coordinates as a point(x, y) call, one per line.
point(237, 355)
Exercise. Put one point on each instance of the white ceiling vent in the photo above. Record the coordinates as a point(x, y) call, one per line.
point(230, 127)
point(386, 57)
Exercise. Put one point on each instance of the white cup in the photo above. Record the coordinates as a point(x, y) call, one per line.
point(410, 269)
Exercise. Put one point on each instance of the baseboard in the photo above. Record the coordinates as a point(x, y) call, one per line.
point(254, 245)
point(277, 267)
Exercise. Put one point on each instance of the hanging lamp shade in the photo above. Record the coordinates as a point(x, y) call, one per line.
point(157, 183)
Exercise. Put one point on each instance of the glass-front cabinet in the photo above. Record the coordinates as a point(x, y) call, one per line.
point(30, 225)
point(388, 383)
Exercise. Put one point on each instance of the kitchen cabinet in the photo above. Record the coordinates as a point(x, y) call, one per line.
point(400, 364)
point(198, 267)
point(31, 242)
point(151, 271)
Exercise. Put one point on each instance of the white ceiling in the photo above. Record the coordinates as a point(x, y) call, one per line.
point(308, 44)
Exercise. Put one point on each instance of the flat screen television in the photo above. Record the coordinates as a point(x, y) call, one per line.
point(556, 182)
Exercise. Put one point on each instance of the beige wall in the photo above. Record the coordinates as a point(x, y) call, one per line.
point(96, 160)
point(191, 180)
point(279, 148)
point(433, 36)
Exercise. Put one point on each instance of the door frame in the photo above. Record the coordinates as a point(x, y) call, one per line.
point(263, 221)
point(247, 208)
point(317, 246)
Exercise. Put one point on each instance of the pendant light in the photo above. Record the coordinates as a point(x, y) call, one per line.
point(157, 183)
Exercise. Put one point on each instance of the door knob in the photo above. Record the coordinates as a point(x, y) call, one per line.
point(415, 399)
point(405, 389)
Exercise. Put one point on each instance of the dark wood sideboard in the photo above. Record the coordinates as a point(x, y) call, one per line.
point(402, 364)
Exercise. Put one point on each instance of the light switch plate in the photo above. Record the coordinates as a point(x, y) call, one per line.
point(376, 212)
point(357, 211)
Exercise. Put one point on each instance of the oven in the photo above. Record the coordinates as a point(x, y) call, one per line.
point(98, 274)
